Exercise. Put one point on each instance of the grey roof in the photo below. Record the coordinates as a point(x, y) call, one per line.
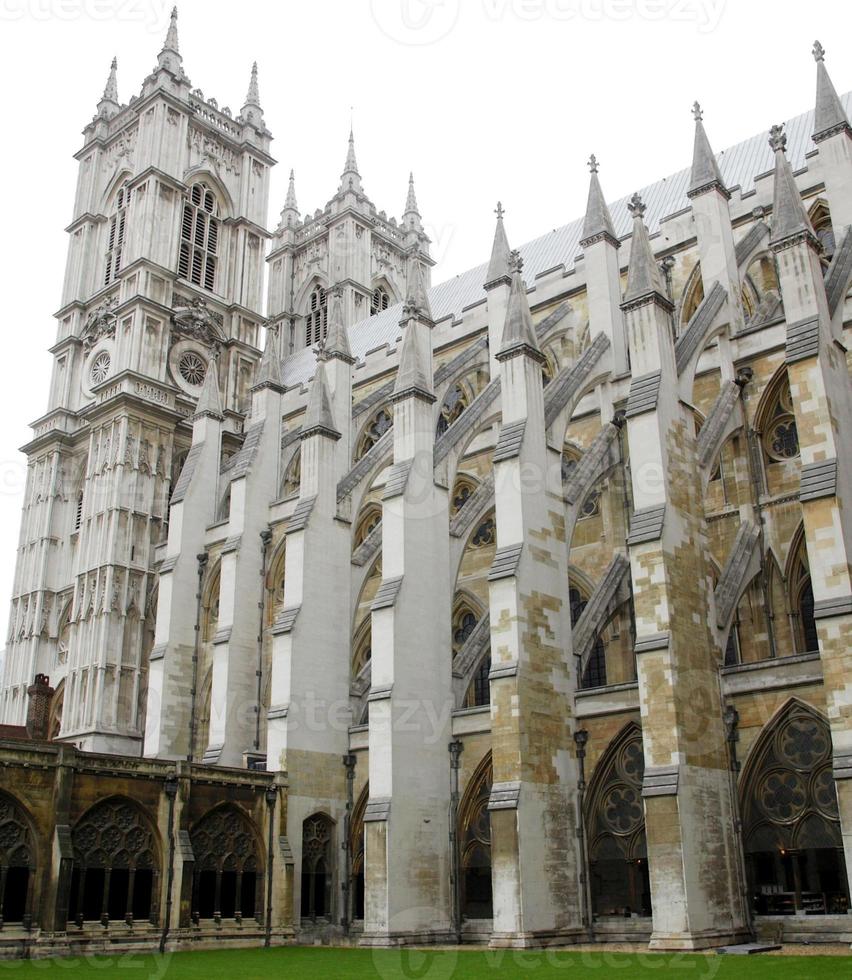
point(739, 164)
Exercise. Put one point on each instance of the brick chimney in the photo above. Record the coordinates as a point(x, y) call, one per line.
point(40, 694)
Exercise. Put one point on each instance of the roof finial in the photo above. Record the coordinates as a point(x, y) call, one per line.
point(778, 138)
point(171, 43)
point(636, 207)
point(697, 112)
point(516, 263)
point(818, 52)
point(253, 96)
point(593, 164)
point(499, 211)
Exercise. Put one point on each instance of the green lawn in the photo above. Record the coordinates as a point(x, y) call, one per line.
point(330, 964)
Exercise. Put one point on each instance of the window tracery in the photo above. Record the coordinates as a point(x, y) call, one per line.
point(227, 876)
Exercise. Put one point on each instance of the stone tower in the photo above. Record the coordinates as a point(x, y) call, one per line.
point(348, 243)
point(163, 284)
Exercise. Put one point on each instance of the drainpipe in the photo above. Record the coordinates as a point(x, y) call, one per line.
point(349, 761)
point(202, 564)
point(265, 538)
point(455, 749)
point(271, 798)
point(170, 788)
point(731, 719)
point(581, 737)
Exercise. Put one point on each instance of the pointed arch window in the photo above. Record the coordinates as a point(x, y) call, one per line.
point(116, 234)
point(780, 435)
point(116, 866)
point(379, 301)
point(792, 839)
point(227, 882)
point(821, 220)
point(464, 487)
point(595, 673)
point(316, 319)
point(615, 818)
point(17, 863)
point(356, 850)
point(801, 598)
point(479, 692)
point(375, 429)
point(455, 402)
point(474, 832)
point(199, 238)
point(317, 868)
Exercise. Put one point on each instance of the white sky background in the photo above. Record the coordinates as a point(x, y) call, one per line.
point(483, 99)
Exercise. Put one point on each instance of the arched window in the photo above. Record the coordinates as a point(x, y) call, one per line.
point(595, 673)
point(356, 851)
point(465, 620)
point(777, 423)
point(362, 647)
point(479, 692)
point(17, 863)
point(455, 402)
point(615, 818)
point(374, 430)
point(316, 319)
point(379, 301)
point(116, 234)
point(485, 534)
point(227, 882)
point(801, 596)
point(116, 865)
point(293, 476)
point(463, 488)
point(791, 823)
point(317, 867)
point(199, 237)
point(370, 520)
point(474, 830)
point(821, 220)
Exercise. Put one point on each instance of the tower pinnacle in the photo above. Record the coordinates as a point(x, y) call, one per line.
point(109, 104)
point(789, 217)
point(499, 269)
point(350, 179)
point(169, 57)
point(598, 221)
point(706, 174)
point(253, 95)
point(643, 274)
point(829, 116)
point(251, 112)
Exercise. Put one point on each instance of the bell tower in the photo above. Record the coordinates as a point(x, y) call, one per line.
point(163, 284)
point(348, 244)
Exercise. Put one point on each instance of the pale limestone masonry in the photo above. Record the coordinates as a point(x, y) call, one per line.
point(531, 588)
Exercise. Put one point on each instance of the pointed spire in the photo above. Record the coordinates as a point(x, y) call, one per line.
point(706, 174)
point(111, 88)
point(412, 377)
point(318, 414)
point(350, 179)
point(411, 199)
point(499, 268)
point(417, 299)
point(518, 331)
point(337, 339)
point(829, 117)
point(290, 201)
point(253, 94)
point(598, 221)
point(269, 368)
point(210, 401)
point(169, 57)
point(171, 43)
point(789, 217)
point(643, 273)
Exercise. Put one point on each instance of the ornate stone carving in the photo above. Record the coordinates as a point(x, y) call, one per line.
point(194, 319)
point(101, 323)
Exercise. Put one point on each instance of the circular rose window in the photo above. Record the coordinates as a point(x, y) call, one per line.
point(192, 368)
point(100, 367)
